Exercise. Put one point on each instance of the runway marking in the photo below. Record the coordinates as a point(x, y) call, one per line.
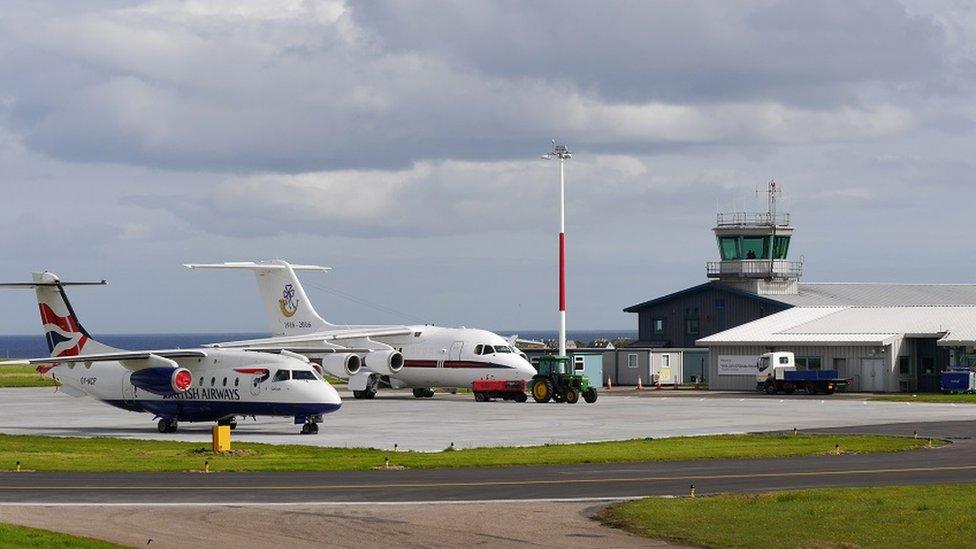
point(333, 503)
point(527, 482)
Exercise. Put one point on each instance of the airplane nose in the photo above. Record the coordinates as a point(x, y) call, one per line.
point(330, 396)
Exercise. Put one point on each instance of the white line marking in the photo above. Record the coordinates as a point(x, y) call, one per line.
point(324, 503)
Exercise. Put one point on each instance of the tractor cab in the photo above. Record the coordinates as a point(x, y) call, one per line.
point(556, 381)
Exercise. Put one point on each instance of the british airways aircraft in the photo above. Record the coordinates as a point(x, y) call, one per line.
point(174, 384)
point(420, 357)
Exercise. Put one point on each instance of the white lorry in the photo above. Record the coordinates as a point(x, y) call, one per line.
point(778, 373)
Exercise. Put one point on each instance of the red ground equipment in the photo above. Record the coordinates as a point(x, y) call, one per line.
point(487, 389)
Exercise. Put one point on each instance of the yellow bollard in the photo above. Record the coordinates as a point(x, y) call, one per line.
point(691, 491)
point(18, 466)
point(221, 439)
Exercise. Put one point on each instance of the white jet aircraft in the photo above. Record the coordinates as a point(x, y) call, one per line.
point(174, 384)
point(421, 357)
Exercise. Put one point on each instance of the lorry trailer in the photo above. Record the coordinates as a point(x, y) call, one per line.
point(778, 374)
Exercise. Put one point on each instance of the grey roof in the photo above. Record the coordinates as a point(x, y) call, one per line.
point(871, 294)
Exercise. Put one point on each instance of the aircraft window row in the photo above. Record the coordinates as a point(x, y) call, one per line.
point(303, 374)
point(213, 381)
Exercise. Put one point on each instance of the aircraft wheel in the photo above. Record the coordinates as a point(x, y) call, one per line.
point(358, 395)
point(419, 392)
point(572, 397)
point(428, 393)
point(313, 428)
point(369, 393)
point(590, 395)
point(305, 429)
point(163, 426)
point(520, 397)
point(542, 390)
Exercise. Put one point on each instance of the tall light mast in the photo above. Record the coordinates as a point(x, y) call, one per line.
point(563, 154)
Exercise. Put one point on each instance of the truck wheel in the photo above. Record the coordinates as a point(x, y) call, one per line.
point(572, 396)
point(542, 390)
point(589, 395)
point(811, 388)
point(770, 388)
point(520, 397)
point(789, 388)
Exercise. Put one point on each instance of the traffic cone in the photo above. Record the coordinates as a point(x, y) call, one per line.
point(639, 386)
point(609, 385)
point(658, 383)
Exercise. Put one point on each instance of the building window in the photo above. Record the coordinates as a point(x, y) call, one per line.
point(691, 326)
point(808, 363)
point(665, 361)
point(781, 246)
point(658, 326)
point(904, 366)
point(729, 247)
point(632, 361)
point(579, 364)
point(755, 247)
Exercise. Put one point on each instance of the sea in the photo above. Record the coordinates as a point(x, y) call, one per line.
point(24, 346)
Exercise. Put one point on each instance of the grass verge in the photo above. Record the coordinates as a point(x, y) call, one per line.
point(109, 454)
point(23, 376)
point(17, 537)
point(913, 516)
point(928, 397)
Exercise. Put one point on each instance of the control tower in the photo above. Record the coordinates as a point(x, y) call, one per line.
point(754, 248)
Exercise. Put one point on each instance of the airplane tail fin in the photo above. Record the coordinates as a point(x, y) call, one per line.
point(63, 331)
point(288, 309)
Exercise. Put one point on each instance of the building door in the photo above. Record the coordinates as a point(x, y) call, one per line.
point(872, 375)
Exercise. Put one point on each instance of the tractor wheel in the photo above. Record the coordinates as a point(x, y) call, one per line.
point(589, 395)
point(542, 390)
point(520, 397)
point(572, 396)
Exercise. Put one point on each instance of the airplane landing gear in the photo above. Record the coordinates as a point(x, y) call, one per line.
point(423, 392)
point(167, 425)
point(232, 423)
point(310, 429)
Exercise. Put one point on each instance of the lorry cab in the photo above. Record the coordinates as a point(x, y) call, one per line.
point(773, 365)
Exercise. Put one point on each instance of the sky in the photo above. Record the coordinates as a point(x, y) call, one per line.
point(399, 143)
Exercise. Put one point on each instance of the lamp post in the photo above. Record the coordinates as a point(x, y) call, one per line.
point(561, 153)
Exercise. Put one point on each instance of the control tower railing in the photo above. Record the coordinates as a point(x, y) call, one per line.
point(754, 268)
point(752, 218)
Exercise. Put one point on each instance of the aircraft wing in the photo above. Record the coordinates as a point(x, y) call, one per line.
point(133, 360)
point(318, 338)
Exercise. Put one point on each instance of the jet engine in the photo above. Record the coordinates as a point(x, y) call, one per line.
point(342, 365)
point(384, 362)
point(162, 381)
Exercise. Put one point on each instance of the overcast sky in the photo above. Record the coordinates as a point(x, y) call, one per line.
point(399, 143)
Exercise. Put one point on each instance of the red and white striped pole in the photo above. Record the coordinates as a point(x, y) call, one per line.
point(563, 154)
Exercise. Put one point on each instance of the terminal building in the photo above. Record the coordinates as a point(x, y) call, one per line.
point(885, 337)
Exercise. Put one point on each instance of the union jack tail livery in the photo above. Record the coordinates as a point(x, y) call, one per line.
point(63, 332)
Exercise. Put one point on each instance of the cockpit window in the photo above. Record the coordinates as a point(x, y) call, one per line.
point(477, 350)
point(487, 350)
point(503, 349)
point(282, 375)
point(303, 374)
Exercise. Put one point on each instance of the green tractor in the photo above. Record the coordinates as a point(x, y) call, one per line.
point(555, 382)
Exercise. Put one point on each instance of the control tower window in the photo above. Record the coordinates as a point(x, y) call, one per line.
point(781, 246)
point(755, 247)
point(729, 246)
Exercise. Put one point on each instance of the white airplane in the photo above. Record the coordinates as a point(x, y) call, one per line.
point(420, 357)
point(174, 384)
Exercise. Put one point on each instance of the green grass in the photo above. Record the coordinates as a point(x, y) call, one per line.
point(15, 537)
point(23, 376)
point(916, 516)
point(927, 397)
point(109, 454)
